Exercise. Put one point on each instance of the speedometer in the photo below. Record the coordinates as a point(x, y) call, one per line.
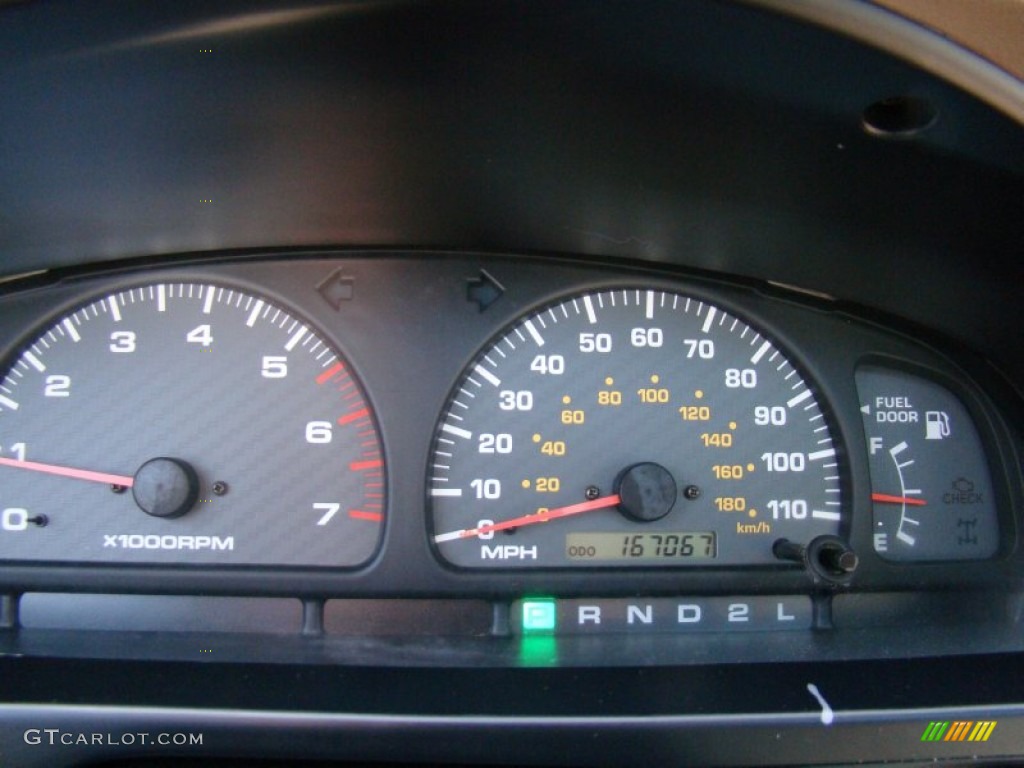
point(631, 427)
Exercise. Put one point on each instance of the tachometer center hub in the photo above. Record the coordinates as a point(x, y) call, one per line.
point(166, 487)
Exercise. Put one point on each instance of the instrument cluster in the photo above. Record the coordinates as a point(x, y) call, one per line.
point(410, 424)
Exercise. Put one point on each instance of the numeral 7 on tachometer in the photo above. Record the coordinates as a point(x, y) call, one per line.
point(330, 510)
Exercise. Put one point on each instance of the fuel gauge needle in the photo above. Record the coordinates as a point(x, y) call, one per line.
point(540, 517)
point(885, 498)
point(77, 474)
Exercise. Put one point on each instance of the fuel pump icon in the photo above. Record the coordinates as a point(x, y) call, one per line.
point(936, 424)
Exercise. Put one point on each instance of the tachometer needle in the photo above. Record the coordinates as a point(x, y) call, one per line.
point(77, 474)
point(541, 517)
point(885, 498)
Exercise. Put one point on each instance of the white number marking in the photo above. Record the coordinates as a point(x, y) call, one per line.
point(330, 510)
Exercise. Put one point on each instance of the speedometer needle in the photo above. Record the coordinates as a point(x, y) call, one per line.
point(541, 517)
point(78, 474)
point(885, 498)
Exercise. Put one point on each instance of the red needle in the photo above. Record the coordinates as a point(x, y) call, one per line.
point(78, 474)
point(541, 517)
point(887, 499)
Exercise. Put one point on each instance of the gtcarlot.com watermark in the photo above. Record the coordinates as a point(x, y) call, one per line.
point(56, 737)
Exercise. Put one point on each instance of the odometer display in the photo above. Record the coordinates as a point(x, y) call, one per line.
point(640, 546)
point(632, 412)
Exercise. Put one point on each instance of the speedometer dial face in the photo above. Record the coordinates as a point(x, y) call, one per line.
point(626, 428)
point(187, 423)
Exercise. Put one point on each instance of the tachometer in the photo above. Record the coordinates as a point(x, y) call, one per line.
point(631, 427)
point(187, 423)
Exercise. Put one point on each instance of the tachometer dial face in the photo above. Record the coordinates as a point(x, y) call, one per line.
point(631, 427)
point(187, 423)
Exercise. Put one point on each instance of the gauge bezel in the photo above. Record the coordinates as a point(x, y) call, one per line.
point(766, 332)
point(175, 276)
point(994, 455)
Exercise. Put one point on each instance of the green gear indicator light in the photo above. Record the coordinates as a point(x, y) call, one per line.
point(539, 615)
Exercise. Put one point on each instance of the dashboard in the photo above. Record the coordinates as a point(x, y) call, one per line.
point(439, 383)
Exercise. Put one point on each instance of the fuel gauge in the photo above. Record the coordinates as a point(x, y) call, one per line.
point(931, 489)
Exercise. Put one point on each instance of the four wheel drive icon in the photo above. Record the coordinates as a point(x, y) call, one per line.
point(936, 424)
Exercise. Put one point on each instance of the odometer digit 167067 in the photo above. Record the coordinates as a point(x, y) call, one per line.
point(631, 427)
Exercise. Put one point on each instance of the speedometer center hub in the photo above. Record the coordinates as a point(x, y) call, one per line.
point(647, 492)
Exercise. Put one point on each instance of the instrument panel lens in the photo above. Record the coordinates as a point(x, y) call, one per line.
point(631, 427)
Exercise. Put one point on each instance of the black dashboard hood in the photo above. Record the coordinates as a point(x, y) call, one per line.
point(723, 137)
